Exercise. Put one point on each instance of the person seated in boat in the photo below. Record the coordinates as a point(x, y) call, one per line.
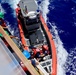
point(37, 54)
point(45, 49)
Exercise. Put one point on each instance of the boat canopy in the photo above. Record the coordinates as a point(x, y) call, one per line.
point(28, 6)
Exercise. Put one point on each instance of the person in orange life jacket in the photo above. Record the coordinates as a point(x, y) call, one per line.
point(45, 49)
point(36, 51)
point(37, 54)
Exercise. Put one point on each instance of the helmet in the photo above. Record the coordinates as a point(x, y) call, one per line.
point(1, 15)
point(26, 54)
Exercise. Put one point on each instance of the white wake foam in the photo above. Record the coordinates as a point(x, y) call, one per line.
point(44, 8)
point(61, 52)
point(13, 5)
point(1, 9)
point(71, 62)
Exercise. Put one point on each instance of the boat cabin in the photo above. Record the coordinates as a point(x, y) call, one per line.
point(27, 6)
point(30, 14)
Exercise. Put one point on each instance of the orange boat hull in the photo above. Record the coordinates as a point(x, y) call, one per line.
point(53, 48)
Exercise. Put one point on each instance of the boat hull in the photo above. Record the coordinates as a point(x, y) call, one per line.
point(51, 43)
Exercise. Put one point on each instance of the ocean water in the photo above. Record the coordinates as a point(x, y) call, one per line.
point(60, 16)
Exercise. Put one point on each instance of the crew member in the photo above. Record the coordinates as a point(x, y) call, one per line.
point(37, 54)
point(45, 49)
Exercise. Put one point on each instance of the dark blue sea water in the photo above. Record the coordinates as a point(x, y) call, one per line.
point(62, 16)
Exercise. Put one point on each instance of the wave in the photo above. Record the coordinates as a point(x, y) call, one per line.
point(44, 8)
point(71, 62)
point(13, 3)
point(1, 9)
point(8, 6)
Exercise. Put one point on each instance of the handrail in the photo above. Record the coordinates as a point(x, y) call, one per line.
point(19, 53)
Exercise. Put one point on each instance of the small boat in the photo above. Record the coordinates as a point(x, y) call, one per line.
point(36, 38)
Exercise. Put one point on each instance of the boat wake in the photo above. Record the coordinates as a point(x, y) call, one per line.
point(43, 6)
point(71, 62)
